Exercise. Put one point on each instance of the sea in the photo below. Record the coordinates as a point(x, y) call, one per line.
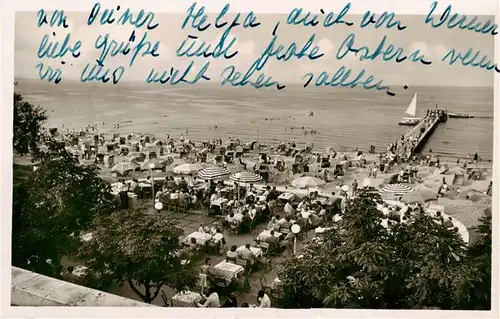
point(343, 118)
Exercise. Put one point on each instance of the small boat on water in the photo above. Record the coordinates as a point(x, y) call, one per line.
point(410, 118)
point(310, 113)
point(460, 116)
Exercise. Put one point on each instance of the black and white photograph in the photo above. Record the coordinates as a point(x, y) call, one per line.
point(355, 176)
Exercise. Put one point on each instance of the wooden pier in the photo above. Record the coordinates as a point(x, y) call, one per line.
point(424, 129)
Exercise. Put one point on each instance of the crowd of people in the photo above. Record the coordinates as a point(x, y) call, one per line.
point(243, 208)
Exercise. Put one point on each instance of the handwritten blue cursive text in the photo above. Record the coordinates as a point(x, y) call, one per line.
point(175, 76)
point(296, 17)
point(456, 21)
point(110, 47)
point(97, 73)
point(342, 78)
point(49, 73)
point(471, 58)
point(191, 47)
point(53, 49)
point(142, 19)
point(386, 52)
point(57, 19)
point(198, 19)
point(386, 20)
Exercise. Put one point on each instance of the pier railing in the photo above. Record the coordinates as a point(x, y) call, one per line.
point(429, 124)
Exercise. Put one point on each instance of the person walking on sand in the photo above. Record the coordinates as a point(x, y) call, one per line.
point(354, 187)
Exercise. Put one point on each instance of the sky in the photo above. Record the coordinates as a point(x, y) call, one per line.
point(433, 43)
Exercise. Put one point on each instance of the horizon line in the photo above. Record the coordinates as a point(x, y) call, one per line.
point(217, 83)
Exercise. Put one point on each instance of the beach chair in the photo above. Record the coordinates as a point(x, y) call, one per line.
point(172, 206)
point(109, 161)
point(265, 247)
point(241, 262)
point(231, 259)
point(285, 231)
point(182, 207)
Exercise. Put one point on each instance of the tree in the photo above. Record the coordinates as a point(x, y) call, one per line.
point(28, 121)
point(52, 206)
point(474, 281)
point(140, 249)
point(362, 264)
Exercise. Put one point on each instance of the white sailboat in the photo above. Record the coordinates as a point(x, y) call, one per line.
point(411, 111)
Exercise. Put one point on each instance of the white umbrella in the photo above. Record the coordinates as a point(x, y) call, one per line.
point(213, 172)
point(245, 177)
point(307, 181)
point(187, 169)
point(124, 167)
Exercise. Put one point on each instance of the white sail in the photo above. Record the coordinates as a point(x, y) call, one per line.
point(412, 108)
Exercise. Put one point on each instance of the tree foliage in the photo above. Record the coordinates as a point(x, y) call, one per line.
point(362, 264)
point(474, 282)
point(140, 249)
point(56, 202)
point(28, 121)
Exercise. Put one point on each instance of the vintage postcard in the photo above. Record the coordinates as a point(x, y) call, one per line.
point(287, 156)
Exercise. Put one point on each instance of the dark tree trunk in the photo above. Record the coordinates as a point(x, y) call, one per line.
point(147, 293)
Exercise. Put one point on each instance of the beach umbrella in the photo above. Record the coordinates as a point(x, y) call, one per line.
point(419, 196)
point(134, 159)
point(188, 169)
point(396, 189)
point(245, 177)
point(307, 181)
point(213, 172)
point(456, 171)
point(137, 154)
point(124, 167)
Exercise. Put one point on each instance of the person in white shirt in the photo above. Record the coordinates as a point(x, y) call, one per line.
point(213, 230)
point(263, 299)
point(123, 192)
point(266, 236)
point(289, 210)
point(212, 300)
point(133, 185)
point(272, 223)
point(230, 218)
point(237, 217)
point(301, 205)
point(265, 194)
point(252, 211)
point(213, 197)
point(246, 253)
point(175, 195)
point(231, 253)
point(218, 236)
point(281, 221)
point(385, 210)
